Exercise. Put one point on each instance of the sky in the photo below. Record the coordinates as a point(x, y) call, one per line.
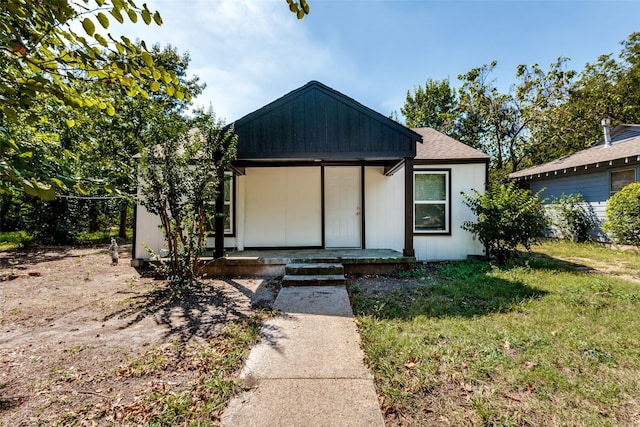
point(251, 52)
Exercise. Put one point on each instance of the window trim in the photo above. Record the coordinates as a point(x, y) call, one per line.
point(635, 178)
point(447, 202)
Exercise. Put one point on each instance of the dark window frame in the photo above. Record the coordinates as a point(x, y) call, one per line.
point(635, 179)
point(447, 202)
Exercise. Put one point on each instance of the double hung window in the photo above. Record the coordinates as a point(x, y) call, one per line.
point(431, 201)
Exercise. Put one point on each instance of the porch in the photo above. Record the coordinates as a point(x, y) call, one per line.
point(272, 262)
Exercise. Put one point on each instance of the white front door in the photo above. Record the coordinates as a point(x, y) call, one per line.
point(342, 210)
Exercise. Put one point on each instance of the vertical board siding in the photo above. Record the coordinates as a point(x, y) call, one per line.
point(384, 209)
point(460, 244)
point(282, 207)
point(318, 122)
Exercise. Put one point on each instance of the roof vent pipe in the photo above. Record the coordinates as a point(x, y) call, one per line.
point(607, 134)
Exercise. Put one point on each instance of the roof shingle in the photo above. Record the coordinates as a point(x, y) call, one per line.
point(625, 143)
point(438, 146)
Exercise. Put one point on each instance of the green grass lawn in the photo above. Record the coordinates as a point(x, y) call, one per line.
point(551, 340)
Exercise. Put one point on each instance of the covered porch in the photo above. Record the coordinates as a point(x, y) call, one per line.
point(272, 262)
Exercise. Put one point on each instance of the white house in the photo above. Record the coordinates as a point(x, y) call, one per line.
point(315, 169)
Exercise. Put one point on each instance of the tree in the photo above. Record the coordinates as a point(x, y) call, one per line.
point(182, 170)
point(41, 55)
point(503, 124)
point(507, 216)
point(608, 88)
point(112, 141)
point(433, 106)
point(623, 215)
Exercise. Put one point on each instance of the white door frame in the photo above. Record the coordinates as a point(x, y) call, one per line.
point(343, 206)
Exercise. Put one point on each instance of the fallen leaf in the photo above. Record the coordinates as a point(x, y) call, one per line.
point(530, 388)
point(410, 365)
point(530, 364)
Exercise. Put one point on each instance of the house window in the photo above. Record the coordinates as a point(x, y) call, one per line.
point(621, 178)
point(227, 210)
point(431, 201)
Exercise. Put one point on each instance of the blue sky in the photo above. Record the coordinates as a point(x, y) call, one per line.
point(250, 52)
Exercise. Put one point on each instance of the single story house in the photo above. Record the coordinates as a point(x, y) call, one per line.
point(316, 169)
point(595, 173)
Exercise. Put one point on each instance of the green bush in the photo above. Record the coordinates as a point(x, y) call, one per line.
point(572, 218)
point(507, 216)
point(623, 215)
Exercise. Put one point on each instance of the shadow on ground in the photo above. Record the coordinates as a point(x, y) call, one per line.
point(451, 289)
point(186, 313)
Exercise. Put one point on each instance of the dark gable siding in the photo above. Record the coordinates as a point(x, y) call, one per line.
point(317, 122)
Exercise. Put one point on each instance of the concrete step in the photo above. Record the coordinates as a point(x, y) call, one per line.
point(313, 268)
point(313, 280)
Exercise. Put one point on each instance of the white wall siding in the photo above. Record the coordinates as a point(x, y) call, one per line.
point(464, 178)
point(148, 233)
point(283, 207)
point(384, 209)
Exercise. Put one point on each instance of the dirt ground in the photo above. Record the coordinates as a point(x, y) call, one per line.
point(75, 332)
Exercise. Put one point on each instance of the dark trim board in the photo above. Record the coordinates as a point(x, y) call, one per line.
point(322, 206)
point(363, 216)
point(408, 208)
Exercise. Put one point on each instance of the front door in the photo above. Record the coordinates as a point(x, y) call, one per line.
point(342, 210)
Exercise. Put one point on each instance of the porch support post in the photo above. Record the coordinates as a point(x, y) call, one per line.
point(218, 251)
point(408, 207)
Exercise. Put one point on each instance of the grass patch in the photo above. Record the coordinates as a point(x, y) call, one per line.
point(549, 341)
point(15, 239)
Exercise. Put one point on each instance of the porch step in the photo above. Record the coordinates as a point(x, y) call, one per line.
point(313, 268)
point(313, 274)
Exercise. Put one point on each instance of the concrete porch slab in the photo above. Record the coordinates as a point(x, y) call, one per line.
point(272, 262)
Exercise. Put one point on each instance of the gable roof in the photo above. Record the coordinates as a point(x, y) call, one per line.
point(317, 122)
point(440, 148)
point(625, 143)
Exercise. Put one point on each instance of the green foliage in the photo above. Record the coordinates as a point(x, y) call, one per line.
point(503, 124)
point(623, 215)
point(14, 239)
point(181, 169)
point(507, 216)
point(433, 106)
point(572, 218)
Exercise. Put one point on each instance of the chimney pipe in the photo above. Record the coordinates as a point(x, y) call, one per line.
point(607, 134)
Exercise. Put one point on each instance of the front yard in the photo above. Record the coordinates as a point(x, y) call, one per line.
point(86, 343)
point(551, 340)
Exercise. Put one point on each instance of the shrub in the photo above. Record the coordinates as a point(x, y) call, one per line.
point(507, 216)
point(623, 215)
point(572, 217)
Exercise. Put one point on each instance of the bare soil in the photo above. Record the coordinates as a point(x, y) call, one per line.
point(84, 341)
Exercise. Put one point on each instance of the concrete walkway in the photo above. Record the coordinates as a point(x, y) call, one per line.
point(308, 370)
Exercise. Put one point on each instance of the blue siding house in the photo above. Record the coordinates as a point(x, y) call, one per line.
point(596, 173)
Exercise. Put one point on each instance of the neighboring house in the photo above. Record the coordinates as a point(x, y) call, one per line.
point(317, 169)
point(596, 173)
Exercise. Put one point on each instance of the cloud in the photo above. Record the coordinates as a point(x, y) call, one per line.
point(248, 52)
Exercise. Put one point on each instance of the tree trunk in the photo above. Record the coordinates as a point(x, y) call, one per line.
point(122, 232)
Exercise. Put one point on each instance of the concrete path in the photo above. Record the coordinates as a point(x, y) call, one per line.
point(308, 370)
